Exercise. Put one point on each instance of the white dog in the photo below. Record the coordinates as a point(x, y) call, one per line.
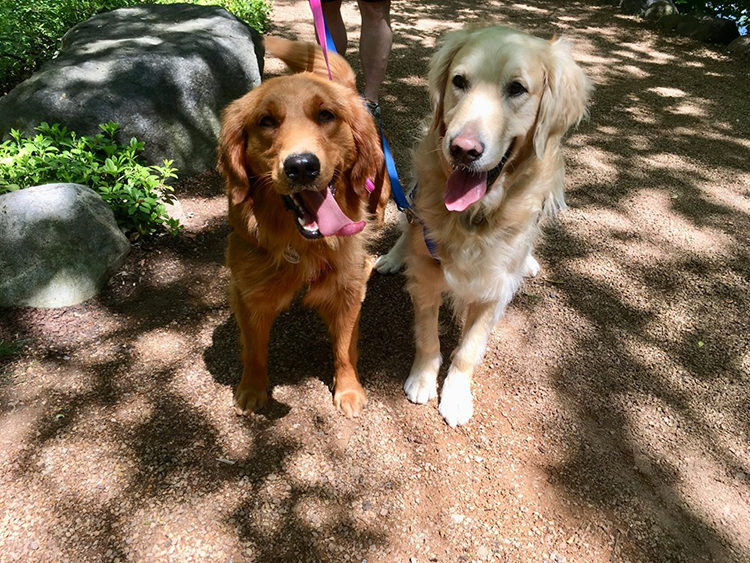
point(488, 169)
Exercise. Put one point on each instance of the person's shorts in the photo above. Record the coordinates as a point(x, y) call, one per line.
point(368, 1)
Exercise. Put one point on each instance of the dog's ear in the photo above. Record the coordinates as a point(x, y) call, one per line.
point(438, 74)
point(300, 56)
point(370, 158)
point(564, 99)
point(232, 155)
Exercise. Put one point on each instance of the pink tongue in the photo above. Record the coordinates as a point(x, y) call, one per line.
point(464, 188)
point(331, 220)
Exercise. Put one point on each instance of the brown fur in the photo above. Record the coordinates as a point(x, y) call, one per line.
point(270, 261)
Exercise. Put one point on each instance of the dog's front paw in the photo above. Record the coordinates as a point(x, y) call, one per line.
point(393, 261)
point(249, 399)
point(389, 263)
point(420, 388)
point(421, 385)
point(350, 400)
point(456, 404)
point(530, 267)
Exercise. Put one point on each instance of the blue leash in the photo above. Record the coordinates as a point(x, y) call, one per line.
point(397, 190)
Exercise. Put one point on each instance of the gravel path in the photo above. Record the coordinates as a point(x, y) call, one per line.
point(612, 410)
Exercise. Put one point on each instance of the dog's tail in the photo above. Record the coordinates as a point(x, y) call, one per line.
point(300, 56)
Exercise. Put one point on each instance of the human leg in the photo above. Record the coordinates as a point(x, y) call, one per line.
point(375, 43)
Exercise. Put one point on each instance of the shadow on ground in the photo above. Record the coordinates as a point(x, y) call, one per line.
point(651, 266)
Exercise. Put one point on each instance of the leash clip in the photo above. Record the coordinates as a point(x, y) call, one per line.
point(411, 216)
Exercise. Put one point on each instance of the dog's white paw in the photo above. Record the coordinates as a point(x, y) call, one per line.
point(456, 404)
point(530, 267)
point(388, 263)
point(421, 385)
point(420, 388)
point(393, 261)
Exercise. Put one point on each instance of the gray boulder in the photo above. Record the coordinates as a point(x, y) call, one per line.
point(715, 30)
point(59, 243)
point(659, 9)
point(164, 72)
point(651, 9)
point(740, 46)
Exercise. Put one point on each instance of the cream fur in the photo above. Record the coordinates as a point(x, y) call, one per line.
point(487, 249)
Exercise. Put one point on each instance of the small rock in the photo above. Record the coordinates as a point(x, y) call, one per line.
point(483, 552)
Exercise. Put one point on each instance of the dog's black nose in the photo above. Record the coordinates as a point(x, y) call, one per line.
point(465, 149)
point(302, 168)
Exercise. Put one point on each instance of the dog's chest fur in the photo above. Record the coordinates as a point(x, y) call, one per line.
point(483, 249)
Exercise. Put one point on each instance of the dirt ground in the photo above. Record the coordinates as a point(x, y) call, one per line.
point(612, 411)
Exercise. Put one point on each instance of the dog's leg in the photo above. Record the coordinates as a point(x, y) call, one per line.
point(393, 261)
point(425, 286)
point(340, 308)
point(255, 319)
point(456, 403)
point(530, 266)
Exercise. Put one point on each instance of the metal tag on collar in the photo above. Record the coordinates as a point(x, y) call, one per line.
point(291, 255)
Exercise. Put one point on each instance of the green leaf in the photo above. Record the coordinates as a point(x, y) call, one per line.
point(134, 191)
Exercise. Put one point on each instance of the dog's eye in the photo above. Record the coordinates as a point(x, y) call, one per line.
point(267, 122)
point(460, 82)
point(516, 89)
point(326, 116)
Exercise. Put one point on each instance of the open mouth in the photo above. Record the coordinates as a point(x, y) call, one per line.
point(465, 186)
point(319, 215)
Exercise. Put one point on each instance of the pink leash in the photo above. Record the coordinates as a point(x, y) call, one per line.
point(320, 31)
point(326, 42)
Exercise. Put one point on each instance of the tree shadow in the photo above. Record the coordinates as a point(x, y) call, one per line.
point(644, 408)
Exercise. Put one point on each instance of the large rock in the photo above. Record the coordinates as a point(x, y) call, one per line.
point(740, 46)
point(59, 244)
point(651, 9)
point(164, 72)
point(659, 9)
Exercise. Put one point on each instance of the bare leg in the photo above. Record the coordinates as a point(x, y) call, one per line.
point(375, 44)
point(336, 27)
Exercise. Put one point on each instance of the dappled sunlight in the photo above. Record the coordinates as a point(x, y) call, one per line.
point(528, 8)
point(641, 114)
point(689, 108)
point(666, 92)
point(102, 470)
point(18, 428)
point(596, 161)
point(178, 528)
point(160, 348)
point(652, 210)
point(610, 411)
point(132, 411)
point(616, 278)
point(663, 442)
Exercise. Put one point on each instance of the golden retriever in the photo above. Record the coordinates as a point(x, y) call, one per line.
point(488, 169)
point(296, 154)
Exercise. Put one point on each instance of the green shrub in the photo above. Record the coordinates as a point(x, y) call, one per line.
point(135, 192)
point(31, 30)
point(737, 10)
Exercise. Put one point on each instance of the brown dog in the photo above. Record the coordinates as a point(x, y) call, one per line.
point(296, 154)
